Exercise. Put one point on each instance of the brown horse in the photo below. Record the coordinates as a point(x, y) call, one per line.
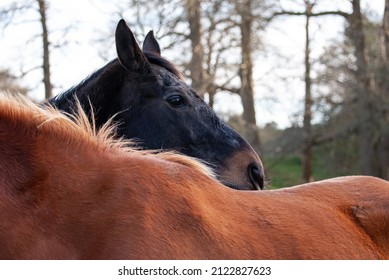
point(68, 192)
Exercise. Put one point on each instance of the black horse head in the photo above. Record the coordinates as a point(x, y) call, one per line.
point(152, 103)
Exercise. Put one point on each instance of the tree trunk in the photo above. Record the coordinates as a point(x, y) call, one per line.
point(363, 91)
point(307, 129)
point(211, 94)
point(383, 151)
point(386, 34)
point(46, 57)
point(246, 69)
point(196, 64)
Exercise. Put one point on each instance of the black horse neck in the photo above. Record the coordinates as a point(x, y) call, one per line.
point(96, 92)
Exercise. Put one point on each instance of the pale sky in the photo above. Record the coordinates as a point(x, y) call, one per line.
point(275, 101)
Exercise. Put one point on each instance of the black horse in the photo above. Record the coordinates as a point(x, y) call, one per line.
point(151, 103)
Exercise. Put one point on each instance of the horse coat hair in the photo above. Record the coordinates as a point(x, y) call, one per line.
point(68, 191)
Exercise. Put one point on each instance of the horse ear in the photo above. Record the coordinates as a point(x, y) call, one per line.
point(150, 44)
point(128, 51)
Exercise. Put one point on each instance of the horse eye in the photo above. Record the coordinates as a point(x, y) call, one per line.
point(176, 101)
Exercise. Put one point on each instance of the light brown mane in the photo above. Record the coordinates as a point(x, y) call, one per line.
point(77, 129)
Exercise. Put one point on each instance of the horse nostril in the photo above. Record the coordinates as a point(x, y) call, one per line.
point(256, 176)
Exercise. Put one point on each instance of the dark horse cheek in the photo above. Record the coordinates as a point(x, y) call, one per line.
point(138, 80)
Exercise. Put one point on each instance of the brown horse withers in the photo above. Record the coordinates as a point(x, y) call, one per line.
point(68, 192)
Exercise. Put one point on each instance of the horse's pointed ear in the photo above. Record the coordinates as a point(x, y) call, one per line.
point(150, 44)
point(128, 51)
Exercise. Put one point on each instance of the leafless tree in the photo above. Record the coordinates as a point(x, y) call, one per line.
point(17, 9)
point(244, 10)
point(196, 68)
point(383, 142)
point(307, 125)
point(366, 123)
point(9, 83)
point(46, 52)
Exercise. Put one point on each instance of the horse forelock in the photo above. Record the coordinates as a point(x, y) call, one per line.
point(78, 129)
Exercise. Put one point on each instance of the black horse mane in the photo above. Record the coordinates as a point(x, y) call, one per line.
point(151, 57)
point(159, 60)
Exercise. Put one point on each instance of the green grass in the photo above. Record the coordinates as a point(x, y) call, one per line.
point(287, 171)
point(283, 172)
point(330, 160)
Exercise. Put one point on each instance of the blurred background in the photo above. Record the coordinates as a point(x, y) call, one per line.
point(304, 81)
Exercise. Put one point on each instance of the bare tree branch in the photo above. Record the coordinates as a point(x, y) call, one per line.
point(310, 14)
